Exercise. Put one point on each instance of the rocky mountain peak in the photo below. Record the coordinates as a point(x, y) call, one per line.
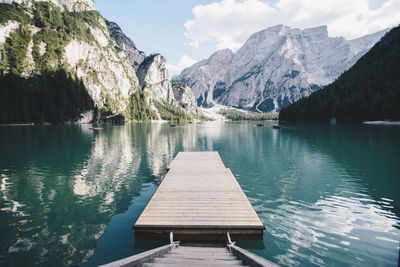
point(316, 32)
point(70, 5)
point(95, 54)
point(166, 100)
point(268, 33)
point(153, 70)
point(275, 67)
point(154, 78)
point(135, 56)
point(183, 94)
point(204, 75)
point(220, 55)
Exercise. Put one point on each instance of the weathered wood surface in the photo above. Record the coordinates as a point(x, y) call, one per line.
point(250, 259)
point(198, 192)
point(193, 255)
point(196, 256)
point(140, 259)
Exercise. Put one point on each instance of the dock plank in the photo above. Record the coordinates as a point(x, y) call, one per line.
point(199, 192)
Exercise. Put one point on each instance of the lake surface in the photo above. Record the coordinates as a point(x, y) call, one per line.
point(328, 195)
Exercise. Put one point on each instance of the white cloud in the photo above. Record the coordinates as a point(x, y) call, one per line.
point(184, 62)
point(229, 23)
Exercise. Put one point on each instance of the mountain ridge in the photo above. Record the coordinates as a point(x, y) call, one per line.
point(40, 38)
point(69, 5)
point(275, 67)
point(135, 56)
point(369, 90)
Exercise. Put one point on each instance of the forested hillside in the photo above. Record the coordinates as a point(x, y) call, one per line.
point(370, 90)
point(59, 59)
point(53, 97)
point(42, 78)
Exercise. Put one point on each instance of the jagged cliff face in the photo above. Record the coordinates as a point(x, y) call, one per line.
point(109, 77)
point(135, 56)
point(206, 76)
point(86, 51)
point(50, 37)
point(184, 95)
point(151, 71)
point(153, 77)
point(164, 99)
point(69, 5)
point(276, 67)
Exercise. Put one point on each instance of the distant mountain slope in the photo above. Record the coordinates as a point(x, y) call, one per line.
point(274, 68)
point(370, 90)
point(205, 76)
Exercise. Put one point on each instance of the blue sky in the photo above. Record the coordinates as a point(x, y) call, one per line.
point(156, 26)
point(185, 31)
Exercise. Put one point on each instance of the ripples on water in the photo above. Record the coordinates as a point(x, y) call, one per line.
point(327, 195)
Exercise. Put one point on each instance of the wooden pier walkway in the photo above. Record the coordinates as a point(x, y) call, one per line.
point(193, 255)
point(199, 197)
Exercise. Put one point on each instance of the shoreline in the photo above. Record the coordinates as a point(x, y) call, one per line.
point(17, 124)
point(388, 123)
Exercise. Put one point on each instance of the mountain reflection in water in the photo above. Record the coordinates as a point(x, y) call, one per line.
point(328, 195)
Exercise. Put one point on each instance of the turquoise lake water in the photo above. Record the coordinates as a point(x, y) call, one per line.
point(328, 195)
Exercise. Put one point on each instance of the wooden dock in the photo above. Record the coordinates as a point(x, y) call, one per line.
point(199, 198)
point(193, 255)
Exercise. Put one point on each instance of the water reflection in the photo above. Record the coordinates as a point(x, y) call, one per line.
point(316, 204)
point(112, 162)
point(327, 195)
point(60, 186)
point(160, 147)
